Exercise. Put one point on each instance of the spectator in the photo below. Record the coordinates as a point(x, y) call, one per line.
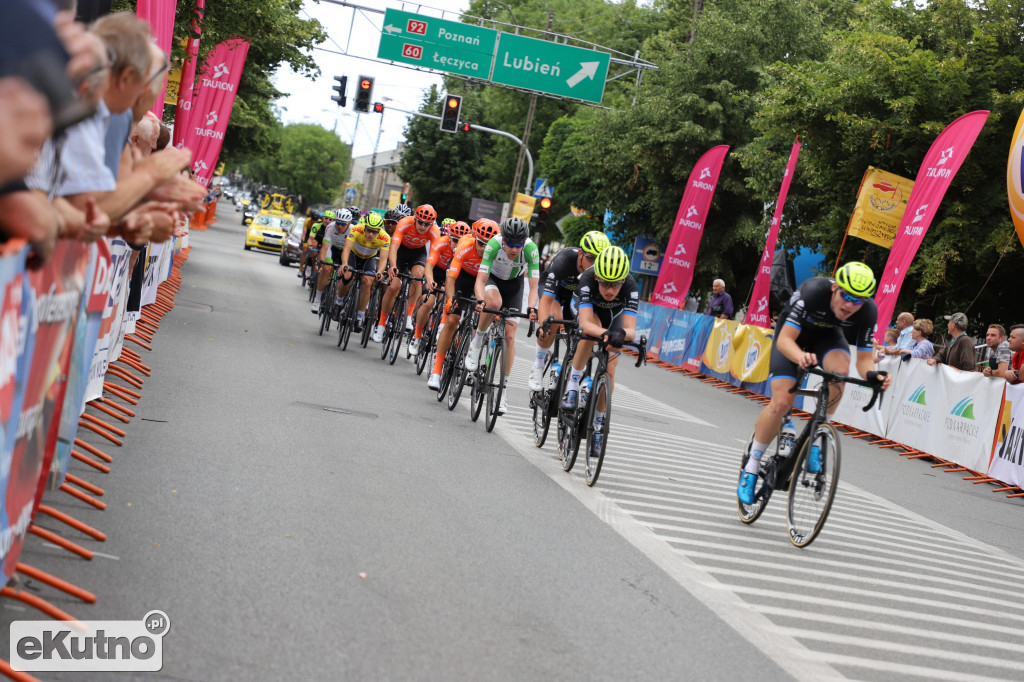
point(26, 124)
point(959, 353)
point(1016, 342)
point(889, 344)
point(996, 358)
point(904, 328)
point(922, 346)
point(720, 304)
point(691, 304)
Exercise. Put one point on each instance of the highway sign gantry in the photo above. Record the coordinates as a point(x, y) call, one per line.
point(437, 44)
point(550, 67)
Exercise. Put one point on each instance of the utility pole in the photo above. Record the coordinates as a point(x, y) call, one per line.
point(523, 151)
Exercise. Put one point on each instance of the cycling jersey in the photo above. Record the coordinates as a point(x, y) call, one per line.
point(316, 230)
point(440, 253)
point(464, 257)
point(335, 234)
point(810, 312)
point(562, 275)
point(588, 295)
point(305, 228)
point(364, 247)
point(497, 264)
point(407, 236)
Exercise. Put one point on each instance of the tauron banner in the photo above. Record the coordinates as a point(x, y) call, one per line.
point(940, 165)
point(211, 110)
point(676, 274)
point(1015, 178)
point(183, 112)
point(160, 15)
point(758, 312)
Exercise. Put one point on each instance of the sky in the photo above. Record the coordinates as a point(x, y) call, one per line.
point(354, 38)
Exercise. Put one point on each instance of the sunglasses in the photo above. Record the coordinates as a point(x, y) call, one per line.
point(166, 65)
point(610, 285)
point(849, 298)
point(423, 222)
point(481, 243)
point(515, 245)
point(589, 257)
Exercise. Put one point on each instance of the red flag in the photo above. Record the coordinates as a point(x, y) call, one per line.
point(757, 312)
point(160, 15)
point(940, 165)
point(677, 269)
point(183, 112)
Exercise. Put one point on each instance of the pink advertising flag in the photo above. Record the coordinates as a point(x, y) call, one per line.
point(183, 112)
point(757, 312)
point(940, 165)
point(160, 15)
point(677, 269)
point(218, 83)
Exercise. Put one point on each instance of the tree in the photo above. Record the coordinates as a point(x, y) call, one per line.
point(310, 161)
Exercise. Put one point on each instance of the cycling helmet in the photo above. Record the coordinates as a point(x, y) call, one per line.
point(514, 230)
point(404, 210)
point(459, 230)
point(329, 214)
point(373, 221)
point(612, 265)
point(594, 243)
point(856, 279)
point(426, 212)
point(445, 225)
point(485, 229)
point(342, 215)
point(393, 215)
point(355, 211)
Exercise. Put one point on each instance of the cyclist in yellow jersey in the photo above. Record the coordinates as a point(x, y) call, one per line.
point(371, 246)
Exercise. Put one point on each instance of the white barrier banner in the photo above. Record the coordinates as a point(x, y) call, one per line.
point(1007, 463)
point(855, 399)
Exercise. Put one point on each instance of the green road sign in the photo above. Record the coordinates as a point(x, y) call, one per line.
point(437, 44)
point(550, 67)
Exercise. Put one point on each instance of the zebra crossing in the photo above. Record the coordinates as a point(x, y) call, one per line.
point(883, 592)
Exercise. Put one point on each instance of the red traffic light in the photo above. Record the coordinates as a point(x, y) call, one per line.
point(365, 84)
point(545, 203)
point(378, 108)
point(465, 127)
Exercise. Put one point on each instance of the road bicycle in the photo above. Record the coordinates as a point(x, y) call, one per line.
point(595, 394)
point(394, 328)
point(545, 401)
point(454, 374)
point(328, 306)
point(350, 306)
point(373, 309)
point(429, 340)
point(808, 468)
point(488, 380)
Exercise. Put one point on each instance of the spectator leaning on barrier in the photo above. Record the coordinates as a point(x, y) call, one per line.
point(904, 328)
point(1016, 342)
point(921, 346)
point(997, 355)
point(891, 335)
point(960, 351)
point(720, 304)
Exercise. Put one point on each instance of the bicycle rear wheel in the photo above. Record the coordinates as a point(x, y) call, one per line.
point(749, 513)
point(478, 389)
point(396, 323)
point(811, 491)
point(372, 313)
point(459, 373)
point(428, 340)
point(495, 384)
point(540, 401)
point(347, 316)
point(597, 440)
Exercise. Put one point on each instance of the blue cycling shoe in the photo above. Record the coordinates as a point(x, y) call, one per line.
point(814, 460)
point(745, 491)
point(570, 401)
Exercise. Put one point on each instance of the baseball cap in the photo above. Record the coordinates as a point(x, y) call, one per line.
point(959, 319)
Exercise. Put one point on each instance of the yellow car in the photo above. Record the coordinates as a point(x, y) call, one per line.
point(268, 230)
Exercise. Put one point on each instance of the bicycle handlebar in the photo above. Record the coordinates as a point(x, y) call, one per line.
point(640, 346)
point(833, 378)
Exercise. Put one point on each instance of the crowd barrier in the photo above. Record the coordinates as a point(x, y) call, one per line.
point(974, 421)
point(63, 334)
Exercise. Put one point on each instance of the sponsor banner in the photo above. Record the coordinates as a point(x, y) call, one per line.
point(676, 274)
point(855, 398)
point(752, 351)
point(881, 201)
point(1006, 462)
point(758, 312)
point(644, 315)
point(151, 276)
point(160, 15)
point(15, 351)
point(677, 336)
point(110, 290)
point(211, 110)
point(1015, 178)
point(56, 292)
point(718, 351)
point(940, 164)
point(660, 317)
point(187, 81)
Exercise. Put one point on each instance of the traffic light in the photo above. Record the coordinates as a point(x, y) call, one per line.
point(450, 113)
point(364, 89)
point(405, 192)
point(465, 127)
point(544, 206)
point(378, 108)
point(339, 89)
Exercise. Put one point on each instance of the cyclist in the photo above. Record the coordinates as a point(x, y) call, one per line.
point(437, 265)
point(460, 280)
point(393, 215)
point(605, 303)
point(508, 258)
point(409, 246)
point(312, 219)
point(558, 284)
point(333, 241)
point(371, 245)
point(810, 332)
point(356, 212)
point(311, 243)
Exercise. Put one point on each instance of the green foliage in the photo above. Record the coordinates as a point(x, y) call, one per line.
point(574, 227)
point(307, 160)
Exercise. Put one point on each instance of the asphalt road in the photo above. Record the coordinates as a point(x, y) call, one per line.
point(301, 512)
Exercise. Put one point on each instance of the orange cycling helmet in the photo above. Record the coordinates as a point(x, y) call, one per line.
point(459, 230)
point(426, 213)
point(485, 229)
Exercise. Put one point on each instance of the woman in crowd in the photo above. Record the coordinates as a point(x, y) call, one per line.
point(922, 347)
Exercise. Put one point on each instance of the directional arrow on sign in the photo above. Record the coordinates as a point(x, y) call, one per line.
point(587, 70)
point(392, 29)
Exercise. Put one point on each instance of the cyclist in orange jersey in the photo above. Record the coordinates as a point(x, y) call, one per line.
point(410, 245)
point(460, 281)
point(436, 272)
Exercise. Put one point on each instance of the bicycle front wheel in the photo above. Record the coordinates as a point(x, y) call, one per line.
point(597, 438)
point(813, 486)
point(459, 373)
point(397, 325)
point(540, 401)
point(495, 384)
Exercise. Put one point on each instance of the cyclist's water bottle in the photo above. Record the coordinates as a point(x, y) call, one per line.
point(556, 367)
point(787, 437)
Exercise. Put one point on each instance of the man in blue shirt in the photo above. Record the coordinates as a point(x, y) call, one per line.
point(720, 304)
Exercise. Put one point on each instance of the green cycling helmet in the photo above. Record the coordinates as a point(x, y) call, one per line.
point(329, 214)
point(612, 265)
point(373, 221)
point(856, 279)
point(594, 243)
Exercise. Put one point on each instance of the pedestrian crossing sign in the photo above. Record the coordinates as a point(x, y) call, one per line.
point(542, 190)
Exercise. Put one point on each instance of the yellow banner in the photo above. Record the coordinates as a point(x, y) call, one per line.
point(881, 201)
point(523, 207)
point(718, 352)
point(173, 85)
point(394, 198)
point(752, 350)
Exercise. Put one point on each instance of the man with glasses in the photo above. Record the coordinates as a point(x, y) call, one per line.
point(367, 240)
point(810, 332)
point(335, 233)
point(558, 284)
point(508, 259)
point(410, 245)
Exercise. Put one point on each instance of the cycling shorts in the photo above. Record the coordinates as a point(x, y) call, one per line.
point(407, 258)
point(464, 284)
point(440, 274)
point(564, 298)
point(820, 343)
point(336, 254)
point(363, 264)
point(511, 291)
point(605, 317)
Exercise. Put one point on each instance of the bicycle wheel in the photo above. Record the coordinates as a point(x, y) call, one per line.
point(372, 313)
point(397, 325)
point(495, 384)
point(811, 492)
point(478, 388)
point(597, 440)
point(347, 316)
point(325, 320)
point(459, 373)
point(428, 340)
point(540, 401)
point(749, 513)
